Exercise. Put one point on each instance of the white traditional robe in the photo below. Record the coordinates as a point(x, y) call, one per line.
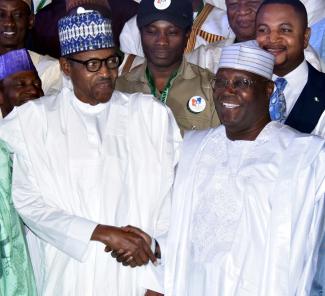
point(77, 165)
point(49, 72)
point(247, 216)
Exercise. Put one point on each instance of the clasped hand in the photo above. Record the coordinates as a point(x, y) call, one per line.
point(129, 245)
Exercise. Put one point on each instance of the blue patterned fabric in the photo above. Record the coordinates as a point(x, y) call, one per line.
point(277, 102)
point(84, 32)
point(15, 61)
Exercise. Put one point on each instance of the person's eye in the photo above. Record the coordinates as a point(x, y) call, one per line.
point(172, 33)
point(112, 62)
point(93, 64)
point(150, 31)
point(18, 15)
point(38, 83)
point(262, 29)
point(219, 83)
point(232, 5)
point(242, 83)
point(286, 30)
point(18, 84)
point(253, 3)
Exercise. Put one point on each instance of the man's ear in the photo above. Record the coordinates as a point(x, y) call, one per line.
point(65, 66)
point(306, 37)
point(31, 21)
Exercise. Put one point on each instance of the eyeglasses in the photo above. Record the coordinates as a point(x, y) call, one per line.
point(94, 65)
point(241, 83)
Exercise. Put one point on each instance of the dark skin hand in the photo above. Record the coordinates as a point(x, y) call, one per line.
point(124, 257)
point(136, 249)
point(145, 236)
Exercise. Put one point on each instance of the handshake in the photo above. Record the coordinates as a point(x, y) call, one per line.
point(129, 245)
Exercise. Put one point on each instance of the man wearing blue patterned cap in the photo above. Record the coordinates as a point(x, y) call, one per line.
point(248, 198)
point(86, 162)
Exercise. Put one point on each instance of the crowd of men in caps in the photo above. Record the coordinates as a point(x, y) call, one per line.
point(165, 147)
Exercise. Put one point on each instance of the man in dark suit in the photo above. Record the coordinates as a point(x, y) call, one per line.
point(281, 28)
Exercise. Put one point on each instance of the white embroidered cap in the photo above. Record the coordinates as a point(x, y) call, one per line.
point(247, 56)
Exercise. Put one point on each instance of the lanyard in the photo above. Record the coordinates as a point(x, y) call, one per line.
point(164, 94)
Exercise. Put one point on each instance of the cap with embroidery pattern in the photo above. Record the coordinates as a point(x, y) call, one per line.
point(15, 61)
point(84, 31)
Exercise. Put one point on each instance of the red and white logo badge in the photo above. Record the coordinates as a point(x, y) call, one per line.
point(163, 4)
point(196, 104)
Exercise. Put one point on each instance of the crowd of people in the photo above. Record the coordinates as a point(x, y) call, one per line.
point(162, 147)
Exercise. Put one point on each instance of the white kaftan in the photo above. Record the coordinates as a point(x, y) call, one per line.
point(246, 215)
point(77, 165)
point(49, 72)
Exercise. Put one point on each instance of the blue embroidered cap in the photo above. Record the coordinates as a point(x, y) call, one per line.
point(15, 61)
point(84, 31)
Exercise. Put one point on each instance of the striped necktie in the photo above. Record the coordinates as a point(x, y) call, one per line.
point(277, 102)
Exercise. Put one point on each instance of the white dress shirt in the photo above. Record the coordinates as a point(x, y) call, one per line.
point(296, 81)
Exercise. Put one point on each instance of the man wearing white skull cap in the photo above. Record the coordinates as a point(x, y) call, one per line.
point(248, 200)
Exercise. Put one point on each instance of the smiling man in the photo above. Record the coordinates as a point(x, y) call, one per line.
point(248, 195)
point(19, 81)
point(242, 17)
point(16, 19)
point(185, 88)
point(87, 161)
point(299, 99)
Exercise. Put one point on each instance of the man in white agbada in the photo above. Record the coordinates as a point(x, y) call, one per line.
point(248, 199)
point(87, 161)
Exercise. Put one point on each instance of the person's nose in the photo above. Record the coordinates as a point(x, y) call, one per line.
point(162, 39)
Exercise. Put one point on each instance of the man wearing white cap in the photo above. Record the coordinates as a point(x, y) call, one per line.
point(88, 161)
point(248, 199)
